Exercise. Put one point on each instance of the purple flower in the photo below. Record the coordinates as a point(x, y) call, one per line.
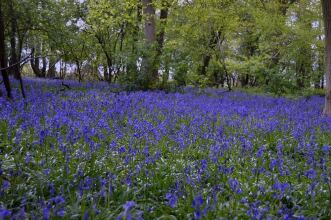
point(260, 152)
point(61, 213)
point(4, 213)
point(326, 149)
point(197, 205)
point(129, 205)
point(46, 213)
point(122, 149)
point(47, 172)
point(86, 215)
point(234, 185)
point(311, 173)
point(59, 200)
point(204, 165)
point(172, 200)
point(5, 185)
point(27, 158)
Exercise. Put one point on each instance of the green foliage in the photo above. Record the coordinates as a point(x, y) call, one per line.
point(277, 45)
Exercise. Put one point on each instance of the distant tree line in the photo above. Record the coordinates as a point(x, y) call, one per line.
point(146, 44)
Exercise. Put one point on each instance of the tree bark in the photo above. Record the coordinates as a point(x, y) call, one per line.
point(150, 73)
point(326, 6)
point(163, 20)
point(51, 67)
point(13, 54)
point(161, 35)
point(79, 71)
point(3, 54)
point(207, 57)
point(35, 62)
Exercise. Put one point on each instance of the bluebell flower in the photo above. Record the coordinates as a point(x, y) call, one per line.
point(204, 164)
point(47, 172)
point(61, 213)
point(129, 205)
point(326, 149)
point(234, 185)
point(86, 215)
point(27, 158)
point(4, 213)
point(172, 199)
point(5, 185)
point(311, 173)
point(46, 213)
point(197, 205)
point(59, 200)
point(260, 152)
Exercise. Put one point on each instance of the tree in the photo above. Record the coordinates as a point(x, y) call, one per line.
point(3, 54)
point(326, 6)
point(149, 73)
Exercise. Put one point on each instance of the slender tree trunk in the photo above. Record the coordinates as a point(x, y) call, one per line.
point(63, 69)
point(3, 55)
point(44, 67)
point(13, 55)
point(105, 73)
point(110, 67)
point(137, 26)
point(79, 72)
point(161, 35)
point(51, 67)
point(14, 58)
point(35, 62)
point(326, 5)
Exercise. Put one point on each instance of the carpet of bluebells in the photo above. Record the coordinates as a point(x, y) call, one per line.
point(91, 153)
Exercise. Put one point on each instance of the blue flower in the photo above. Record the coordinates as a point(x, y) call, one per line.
point(46, 213)
point(326, 149)
point(61, 213)
point(311, 173)
point(172, 200)
point(197, 205)
point(260, 152)
point(234, 185)
point(4, 213)
point(5, 185)
point(129, 205)
point(59, 199)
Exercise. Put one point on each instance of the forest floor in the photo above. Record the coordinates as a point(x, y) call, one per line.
point(93, 152)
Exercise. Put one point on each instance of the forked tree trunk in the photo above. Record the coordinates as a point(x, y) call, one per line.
point(326, 6)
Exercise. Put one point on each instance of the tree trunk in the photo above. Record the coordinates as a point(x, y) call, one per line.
point(63, 69)
point(215, 37)
point(13, 54)
point(3, 55)
point(79, 72)
point(161, 36)
point(105, 73)
point(35, 62)
point(326, 6)
point(51, 67)
point(205, 63)
point(44, 67)
point(150, 73)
